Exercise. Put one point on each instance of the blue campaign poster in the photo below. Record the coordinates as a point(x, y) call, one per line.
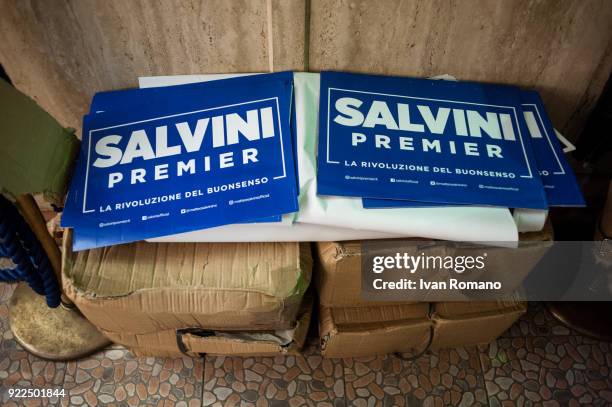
point(424, 140)
point(184, 158)
point(560, 184)
point(119, 100)
point(558, 178)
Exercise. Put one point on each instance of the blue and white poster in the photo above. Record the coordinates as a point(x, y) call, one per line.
point(153, 99)
point(182, 158)
point(424, 140)
point(560, 185)
point(557, 176)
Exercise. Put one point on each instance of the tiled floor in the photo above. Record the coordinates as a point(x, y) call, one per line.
point(537, 362)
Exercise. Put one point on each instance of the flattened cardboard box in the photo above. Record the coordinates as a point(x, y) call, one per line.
point(145, 287)
point(338, 264)
point(408, 328)
point(171, 343)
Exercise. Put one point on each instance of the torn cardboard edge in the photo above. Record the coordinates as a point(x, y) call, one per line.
point(376, 331)
point(218, 307)
point(176, 342)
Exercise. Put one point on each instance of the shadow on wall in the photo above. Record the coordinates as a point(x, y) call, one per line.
point(4, 75)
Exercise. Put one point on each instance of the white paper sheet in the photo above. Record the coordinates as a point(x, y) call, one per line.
point(339, 217)
point(275, 232)
point(530, 220)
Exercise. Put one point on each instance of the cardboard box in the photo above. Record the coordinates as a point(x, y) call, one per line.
point(145, 287)
point(338, 267)
point(472, 323)
point(377, 331)
point(338, 274)
point(408, 328)
point(173, 342)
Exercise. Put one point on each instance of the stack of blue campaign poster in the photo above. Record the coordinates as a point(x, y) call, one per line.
point(405, 142)
point(161, 161)
point(560, 185)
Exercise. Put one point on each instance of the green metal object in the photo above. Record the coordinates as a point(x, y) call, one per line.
point(36, 153)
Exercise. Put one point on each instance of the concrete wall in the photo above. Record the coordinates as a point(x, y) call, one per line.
point(561, 47)
point(62, 52)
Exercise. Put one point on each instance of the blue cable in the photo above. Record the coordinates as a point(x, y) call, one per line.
point(32, 265)
point(14, 251)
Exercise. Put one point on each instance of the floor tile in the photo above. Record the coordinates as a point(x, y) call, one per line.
point(6, 290)
point(537, 321)
point(7, 340)
point(19, 369)
point(274, 381)
point(536, 362)
point(116, 376)
point(445, 377)
point(556, 370)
